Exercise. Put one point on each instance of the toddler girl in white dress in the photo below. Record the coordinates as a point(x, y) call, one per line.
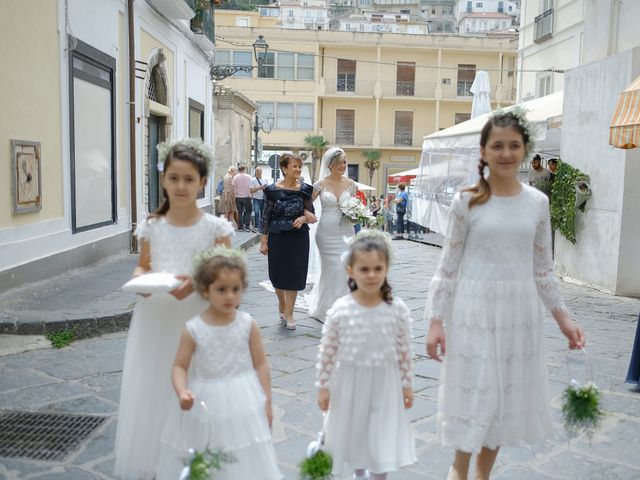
point(228, 371)
point(365, 367)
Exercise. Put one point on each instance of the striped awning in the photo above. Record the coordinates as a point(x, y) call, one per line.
point(624, 131)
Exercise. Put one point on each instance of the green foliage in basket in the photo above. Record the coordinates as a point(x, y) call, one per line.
point(316, 467)
point(563, 199)
point(203, 464)
point(581, 409)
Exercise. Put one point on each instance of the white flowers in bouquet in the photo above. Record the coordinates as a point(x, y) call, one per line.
point(354, 211)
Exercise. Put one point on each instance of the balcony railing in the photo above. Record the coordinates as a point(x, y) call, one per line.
point(203, 26)
point(464, 89)
point(364, 138)
point(348, 86)
point(409, 89)
point(544, 26)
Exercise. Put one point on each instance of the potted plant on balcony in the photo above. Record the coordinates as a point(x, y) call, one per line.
point(197, 21)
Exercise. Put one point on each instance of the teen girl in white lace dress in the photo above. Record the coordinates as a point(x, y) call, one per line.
point(495, 267)
point(365, 367)
point(169, 239)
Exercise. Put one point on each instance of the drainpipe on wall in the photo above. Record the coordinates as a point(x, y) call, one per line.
point(133, 244)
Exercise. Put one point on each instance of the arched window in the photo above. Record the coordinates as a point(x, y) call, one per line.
point(156, 89)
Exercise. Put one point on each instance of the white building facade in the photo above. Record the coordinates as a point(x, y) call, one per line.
point(99, 163)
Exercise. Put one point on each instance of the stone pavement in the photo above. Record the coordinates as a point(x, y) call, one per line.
point(85, 378)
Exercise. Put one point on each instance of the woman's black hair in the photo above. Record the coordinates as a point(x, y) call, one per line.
point(370, 244)
point(187, 154)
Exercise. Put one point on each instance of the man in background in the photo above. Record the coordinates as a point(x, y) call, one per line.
point(257, 191)
point(539, 177)
point(242, 183)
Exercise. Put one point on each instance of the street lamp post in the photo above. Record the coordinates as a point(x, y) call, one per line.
point(220, 72)
point(265, 126)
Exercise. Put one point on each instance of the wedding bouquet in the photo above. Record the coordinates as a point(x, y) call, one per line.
point(318, 463)
point(581, 409)
point(354, 211)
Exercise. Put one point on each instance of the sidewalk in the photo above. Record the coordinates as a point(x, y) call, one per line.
point(87, 299)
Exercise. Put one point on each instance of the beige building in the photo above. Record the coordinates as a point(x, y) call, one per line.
point(363, 90)
point(80, 124)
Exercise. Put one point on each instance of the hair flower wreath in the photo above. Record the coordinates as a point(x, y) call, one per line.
point(365, 234)
point(220, 251)
point(520, 114)
point(194, 144)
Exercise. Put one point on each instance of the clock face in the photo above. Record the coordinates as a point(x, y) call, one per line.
point(28, 181)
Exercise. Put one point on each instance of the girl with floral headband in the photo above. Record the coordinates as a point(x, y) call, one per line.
point(221, 361)
point(169, 238)
point(364, 368)
point(484, 310)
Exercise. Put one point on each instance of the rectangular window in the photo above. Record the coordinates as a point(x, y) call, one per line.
point(346, 76)
point(242, 58)
point(405, 78)
point(284, 116)
point(501, 7)
point(287, 116)
point(466, 74)
point(268, 67)
point(92, 132)
point(304, 116)
point(544, 85)
point(461, 117)
point(403, 132)
point(285, 64)
point(479, 5)
point(547, 5)
point(305, 68)
point(242, 22)
point(345, 127)
point(469, 7)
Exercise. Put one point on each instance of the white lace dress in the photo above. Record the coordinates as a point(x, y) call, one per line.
point(495, 267)
point(222, 375)
point(365, 360)
point(153, 341)
point(330, 238)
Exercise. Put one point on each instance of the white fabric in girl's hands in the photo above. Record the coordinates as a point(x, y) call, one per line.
point(155, 282)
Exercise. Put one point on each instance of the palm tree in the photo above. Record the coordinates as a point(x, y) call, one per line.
point(372, 162)
point(317, 143)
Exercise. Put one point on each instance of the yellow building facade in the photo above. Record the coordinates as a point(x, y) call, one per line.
point(362, 90)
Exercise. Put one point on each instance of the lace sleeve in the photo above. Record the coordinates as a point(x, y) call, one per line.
point(268, 209)
point(443, 284)
point(403, 343)
point(543, 274)
point(352, 189)
point(327, 351)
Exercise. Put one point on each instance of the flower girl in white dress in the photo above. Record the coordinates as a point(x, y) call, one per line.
point(365, 367)
point(495, 267)
point(223, 352)
point(169, 239)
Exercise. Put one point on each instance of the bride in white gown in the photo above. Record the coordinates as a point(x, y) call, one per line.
point(332, 232)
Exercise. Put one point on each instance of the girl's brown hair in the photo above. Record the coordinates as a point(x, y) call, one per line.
point(287, 158)
point(187, 154)
point(209, 270)
point(370, 244)
point(482, 190)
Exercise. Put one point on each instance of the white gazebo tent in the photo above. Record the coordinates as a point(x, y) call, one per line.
point(450, 158)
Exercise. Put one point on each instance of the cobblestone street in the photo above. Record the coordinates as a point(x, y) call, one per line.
point(85, 378)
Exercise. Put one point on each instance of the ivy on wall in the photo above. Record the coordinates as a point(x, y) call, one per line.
point(570, 188)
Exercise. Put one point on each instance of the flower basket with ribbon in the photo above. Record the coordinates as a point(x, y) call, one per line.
point(318, 463)
point(582, 405)
point(201, 464)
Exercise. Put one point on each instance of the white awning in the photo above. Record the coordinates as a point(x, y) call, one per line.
point(544, 112)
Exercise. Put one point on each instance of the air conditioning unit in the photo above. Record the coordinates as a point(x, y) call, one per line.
point(306, 157)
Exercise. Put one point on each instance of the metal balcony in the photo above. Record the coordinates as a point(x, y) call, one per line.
point(543, 26)
point(176, 9)
point(202, 25)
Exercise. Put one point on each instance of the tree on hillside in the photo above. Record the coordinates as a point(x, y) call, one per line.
point(317, 143)
point(371, 162)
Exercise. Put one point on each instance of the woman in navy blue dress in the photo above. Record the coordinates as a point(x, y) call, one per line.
point(285, 238)
point(633, 375)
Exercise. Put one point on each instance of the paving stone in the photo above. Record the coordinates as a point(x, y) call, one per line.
point(571, 465)
point(10, 380)
point(33, 398)
point(100, 444)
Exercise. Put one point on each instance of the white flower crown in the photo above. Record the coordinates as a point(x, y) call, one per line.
point(220, 251)
point(520, 114)
point(195, 144)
